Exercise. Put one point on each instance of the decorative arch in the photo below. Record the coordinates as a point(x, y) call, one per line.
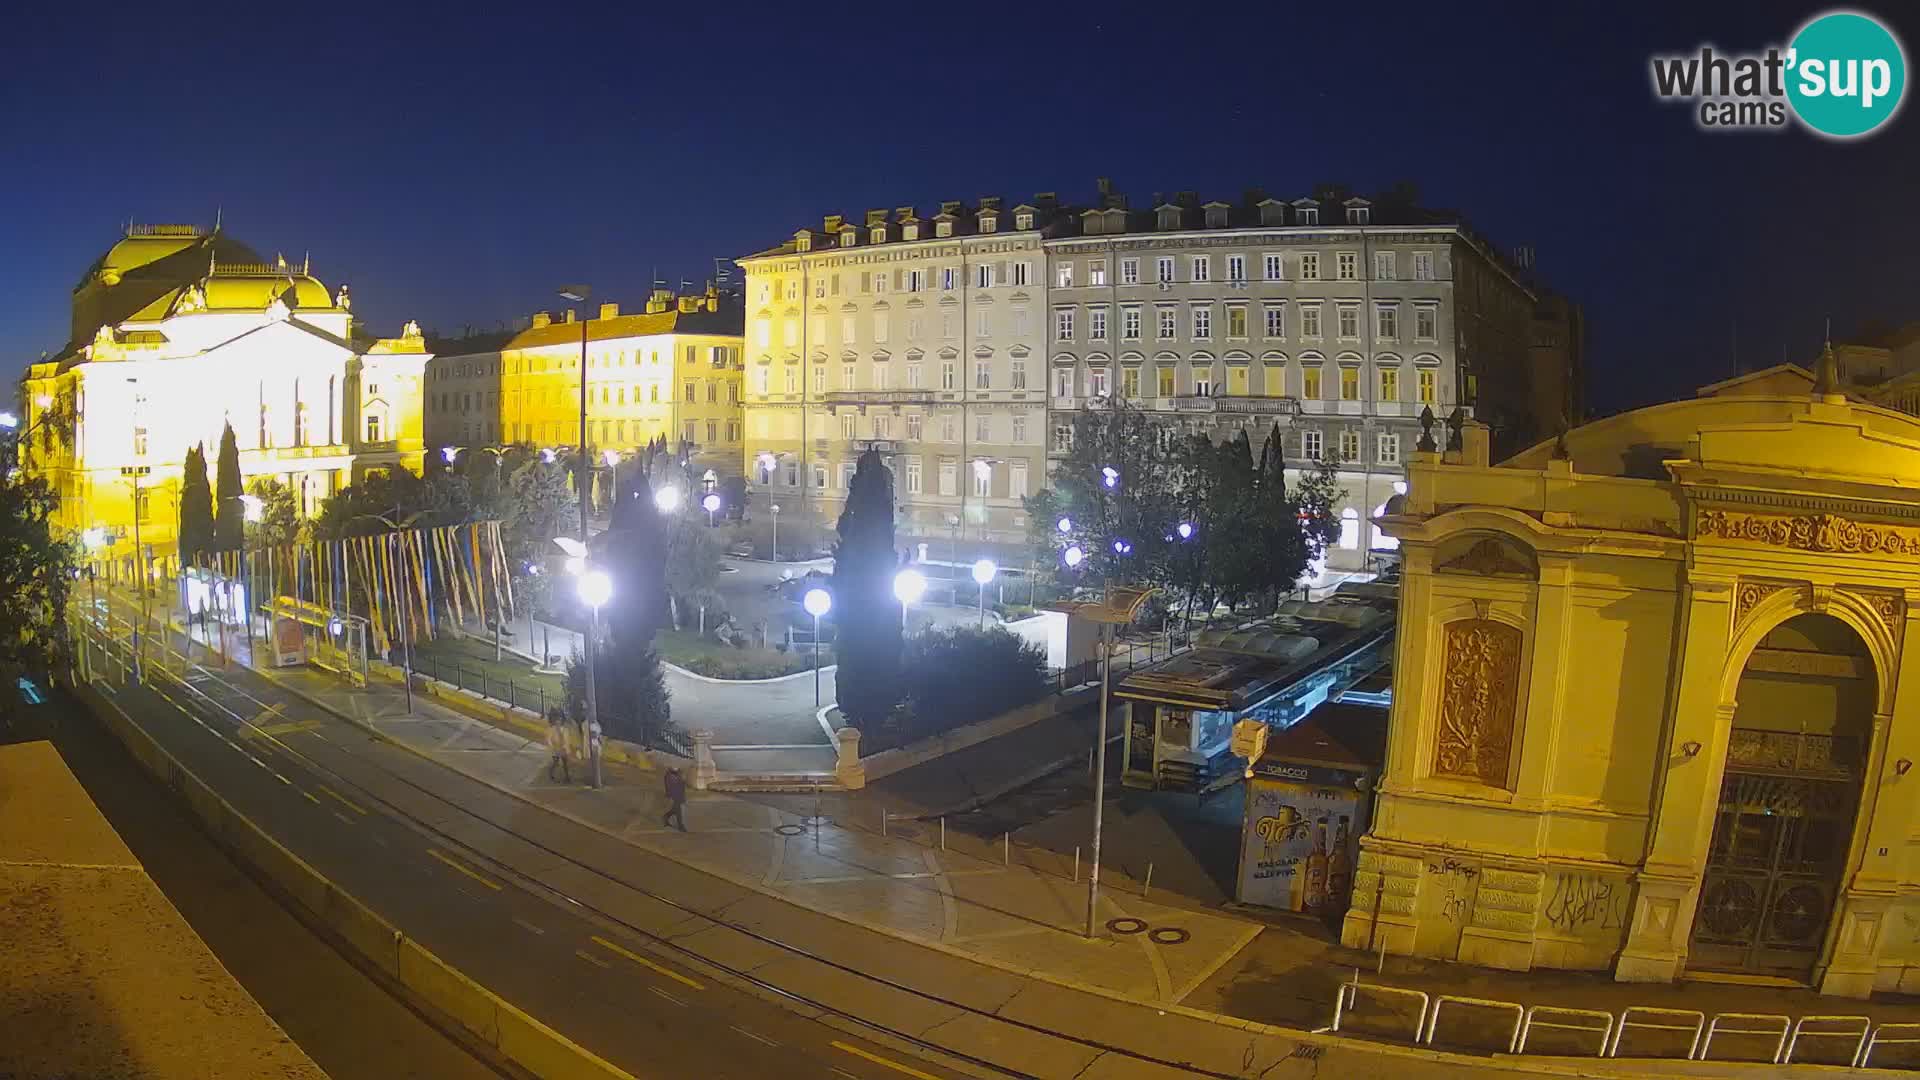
point(1426, 360)
point(1856, 611)
point(1387, 358)
point(1312, 357)
point(1273, 356)
point(1349, 359)
point(1065, 358)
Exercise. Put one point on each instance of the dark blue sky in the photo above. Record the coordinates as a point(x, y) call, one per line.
point(453, 168)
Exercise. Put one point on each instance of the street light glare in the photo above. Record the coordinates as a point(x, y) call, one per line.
point(817, 602)
point(1065, 525)
point(1073, 556)
point(449, 453)
point(576, 565)
point(909, 586)
point(596, 588)
point(1110, 476)
point(667, 499)
point(546, 456)
point(253, 508)
point(611, 457)
point(983, 571)
point(95, 538)
point(1185, 530)
point(711, 503)
point(571, 546)
point(9, 421)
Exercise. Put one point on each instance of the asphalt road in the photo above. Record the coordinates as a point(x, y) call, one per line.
point(346, 1022)
point(361, 811)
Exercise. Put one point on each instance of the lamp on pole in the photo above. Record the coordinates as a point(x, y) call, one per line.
point(612, 458)
point(710, 502)
point(254, 511)
point(135, 472)
point(596, 588)
point(983, 573)
point(775, 542)
point(908, 587)
point(578, 294)
point(666, 499)
point(817, 602)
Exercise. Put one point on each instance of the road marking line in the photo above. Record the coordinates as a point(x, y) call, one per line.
point(311, 797)
point(590, 958)
point(644, 962)
point(344, 819)
point(668, 996)
point(350, 804)
point(378, 839)
point(878, 1060)
point(842, 1072)
point(488, 882)
point(284, 780)
point(527, 926)
point(754, 1035)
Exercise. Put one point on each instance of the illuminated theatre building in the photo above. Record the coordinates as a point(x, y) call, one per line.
point(179, 331)
point(1650, 702)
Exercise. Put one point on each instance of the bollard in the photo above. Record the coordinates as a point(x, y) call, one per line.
point(1149, 882)
point(1006, 849)
point(1076, 862)
point(943, 832)
point(883, 823)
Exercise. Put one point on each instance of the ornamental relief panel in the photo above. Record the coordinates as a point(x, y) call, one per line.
point(1810, 532)
point(1480, 684)
point(1750, 593)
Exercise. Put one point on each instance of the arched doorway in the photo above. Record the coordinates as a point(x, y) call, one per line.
point(1784, 822)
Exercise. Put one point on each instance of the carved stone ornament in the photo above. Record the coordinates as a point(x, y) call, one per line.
point(1891, 608)
point(1480, 682)
point(1810, 532)
point(1488, 558)
point(1749, 595)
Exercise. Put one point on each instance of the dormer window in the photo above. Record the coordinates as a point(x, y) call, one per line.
point(1169, 217)
point(1023, 221)
point(1308, 215)
point(848, 238)
point(879, 234)
point(943, 228)
point(910, 232)
point(1359, 215)
point(1216, 217)
point(1273, 213)
point(803, 242)
point(989, 223)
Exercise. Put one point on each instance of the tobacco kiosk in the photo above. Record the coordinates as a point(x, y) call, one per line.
point(1307, 802)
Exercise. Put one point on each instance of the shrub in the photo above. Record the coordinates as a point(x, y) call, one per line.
point(961, 675)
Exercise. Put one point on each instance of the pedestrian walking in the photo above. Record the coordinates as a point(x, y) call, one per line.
point(557, 744)
point(676, 814)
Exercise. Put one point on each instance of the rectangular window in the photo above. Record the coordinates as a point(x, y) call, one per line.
point(1386, 322)
point(848, 374)
point(792, 332)
point(982, 324)
point(1017, 480)
point(1097, 324)
point(1236, 321)
point(916, 280)
point(686, 432)
point(1276, 321)
point(820, 477)
point(882, 426)
point(946, 326)
point(913, 375)
point(690, 390)
point(913, 476)
point(1349, 445)
point(1309, 266)
point(1349, 266)
point(1349, 322)
point(947, 274)
point(914, 422)
point(1236, 268)
point(1163, 380)
point(1383, 265)
point(1063, 324)
point(1130, 324)
point(1203, 382)
point(880, 325)
point(949, 478)
point(948, 430)
point(1167, 321)
point(373, 427)
point(983, 276)
point(1310, 445)
point(819, 379)
point(1202, 324)
point(1163, 268)
point(882, 376)
point(1063, 275)
point(982, 479)
point(1097, 272)
point(1130, 383)
point(1017, 374)
point(1423, 266)
point(1427, 382)
point(733, 430)
point(1097, 382)
point(949, 378)
point(1019, 322)
point(760, 377)
point(1063, 383)
point(1389, 384)
point(1310, 382)
point(1202, 267)
point(1349, 384)
point(1387, 448)
point(1270, 266)
point(713, 431)
point(1062, 438)
point(1426, 323)
point(1019, 428)
point(1020, 273)
point(847, 428)
point(983, 427)
point(1129, 271)
point(880, 281)
point(983, 375)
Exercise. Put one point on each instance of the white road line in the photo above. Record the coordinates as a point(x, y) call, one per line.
point(378, 839)
point(754, 1035)
point(668, 996)
point(527, 926)
point(344, 819)
point(590, 958)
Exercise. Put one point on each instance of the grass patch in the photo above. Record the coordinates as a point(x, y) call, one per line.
point(469, 664)
point(703, 656)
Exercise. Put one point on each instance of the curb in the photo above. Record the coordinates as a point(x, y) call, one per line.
point(697, 677)
point(496, 1022)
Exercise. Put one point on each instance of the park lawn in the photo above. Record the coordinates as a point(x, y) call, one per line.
point(703, 656)
point(469, 662)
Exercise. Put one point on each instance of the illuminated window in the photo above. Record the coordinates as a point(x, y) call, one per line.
point(1097, 272)
point(1063, 275)
point(1427, 382)
point(1349, 384)
point(1310, 382)
point(1349, 528)
point(373, 427)
point(1236, 321)
point(1163, 380)
point(1387, 448)
point(1389, 384)
point(1130, 382)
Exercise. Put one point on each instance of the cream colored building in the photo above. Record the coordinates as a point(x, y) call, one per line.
point(1649, 709)
point(178, 331)
point(672, 369)
point(923, 337)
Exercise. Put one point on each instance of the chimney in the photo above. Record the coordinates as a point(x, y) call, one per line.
point(1254, 196)
point(1105, 186)
point(903, 213)
point(609, 311)
point(1187, 199)
point(1046, 200)
point(833, 223)
point(689, 305)
point(989, 202)
point(658, 301)
point(569, 317)
point(1159, 199)
point(876, 217)
point(951, 206)
point(541, 319)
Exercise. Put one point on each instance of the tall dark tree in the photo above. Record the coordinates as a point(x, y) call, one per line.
point(629, 687)
point(229, 513)
point(1141, 507)
point(36, 571)
point(196, 507)
point(864, 563)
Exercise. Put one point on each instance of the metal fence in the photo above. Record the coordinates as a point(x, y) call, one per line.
point(529, 694)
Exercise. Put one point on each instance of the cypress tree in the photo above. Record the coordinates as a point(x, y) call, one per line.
point(864, 562)
point(196, 507)
point(229, 513)
point(633, 700)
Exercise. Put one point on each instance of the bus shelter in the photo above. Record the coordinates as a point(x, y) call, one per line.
point(299, 632)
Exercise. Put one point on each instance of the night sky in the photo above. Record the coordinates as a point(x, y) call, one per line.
point(455, 168)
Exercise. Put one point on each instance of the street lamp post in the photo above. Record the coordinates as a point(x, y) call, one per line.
point(983, 573)
point(578, 294)
point(596, 588)
point(775, 542)
point(710, 503)
point(908, 587)
point(139, 559)
point(817, 602)
point(253, 511)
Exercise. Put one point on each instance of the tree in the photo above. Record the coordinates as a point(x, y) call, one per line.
point(1141, 508)
point(733, 491)
point(279, 514)
point(864, 563)
point(196, 507)
point(632, 694)
point(693, 565)
point(229, 513)
point(958, 675)
point(36, 572)
point(539, 507)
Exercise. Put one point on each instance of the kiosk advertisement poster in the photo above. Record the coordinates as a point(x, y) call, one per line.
point(289, 642)
point(1299, 839)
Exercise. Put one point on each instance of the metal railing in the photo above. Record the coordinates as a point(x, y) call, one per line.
point(529, 694)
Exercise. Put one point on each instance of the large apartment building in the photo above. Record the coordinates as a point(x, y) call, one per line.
point(672, 369)
point(963, 344)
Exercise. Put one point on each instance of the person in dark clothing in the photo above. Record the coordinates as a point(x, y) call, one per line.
point(676, 799)
point(557, 746)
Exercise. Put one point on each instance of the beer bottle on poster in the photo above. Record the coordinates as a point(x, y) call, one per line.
point(1316, 885)
point(1339, 865)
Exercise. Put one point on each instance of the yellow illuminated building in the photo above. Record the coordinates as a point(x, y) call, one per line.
point(178, 331)
point(671, 370)
point(1649, 697)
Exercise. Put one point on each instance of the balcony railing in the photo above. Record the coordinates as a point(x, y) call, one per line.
point(880, 397)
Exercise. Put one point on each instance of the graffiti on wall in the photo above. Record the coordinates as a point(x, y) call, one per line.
point(1586, 904)
point(1455, 884)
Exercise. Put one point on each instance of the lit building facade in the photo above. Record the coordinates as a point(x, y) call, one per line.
point(672, 370)
point(920, 337)
point(1648, 706)
point(179, 331)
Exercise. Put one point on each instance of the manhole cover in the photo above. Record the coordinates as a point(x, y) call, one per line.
point(1126, 926)
point(789, 830)
point(1169, 935)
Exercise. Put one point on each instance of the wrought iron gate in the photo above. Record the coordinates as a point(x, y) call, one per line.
point(1779, 851)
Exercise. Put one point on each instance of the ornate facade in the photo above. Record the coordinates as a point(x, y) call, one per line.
point(179, 331)
point(1647, 708)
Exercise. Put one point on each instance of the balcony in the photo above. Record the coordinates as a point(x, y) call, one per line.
point(879, 397)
